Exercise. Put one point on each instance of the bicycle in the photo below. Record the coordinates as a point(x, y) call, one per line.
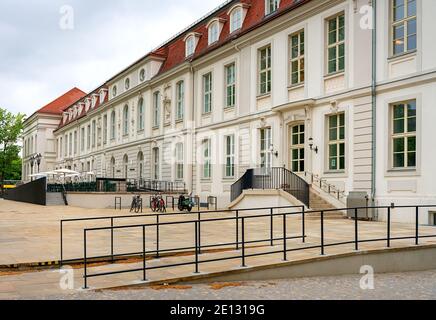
point(157, 204)
point(136, 204)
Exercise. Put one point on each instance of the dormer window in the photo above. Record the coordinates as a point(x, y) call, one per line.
point(213, 33)
point(127, 84)
point(237, 15)
point(191, 41)
point(190, 46)
point(236, 20)
point(102, 96)
point(271, 6)
point(214, 28)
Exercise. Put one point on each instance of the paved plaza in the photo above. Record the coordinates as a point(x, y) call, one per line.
point(30, 233)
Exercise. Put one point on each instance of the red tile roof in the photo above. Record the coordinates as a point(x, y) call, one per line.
point(57, 106)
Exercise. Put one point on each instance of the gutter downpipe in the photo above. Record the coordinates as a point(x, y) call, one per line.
point(374, 103)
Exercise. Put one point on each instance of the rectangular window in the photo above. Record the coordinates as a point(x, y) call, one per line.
point(105, 129)
point(207, 93)
point(66, 146)
point(60, 146)
point(265, 70)
point(82, 139)
point(141, 114)
point(94, 133)
point(156, 109)
point(75, 142)
point(297, 58)
point(230, 156)
point(336, 142)
point(70, 144)
point(404, 135)
point(180, 101)
point(336, 44)
point(179, 161)
point(113, 125)
point(156, 167)
point(271, 6)
point(88, 140)
point(404, 30)
point(230, 85)
point(265, 148)
point(207, 166)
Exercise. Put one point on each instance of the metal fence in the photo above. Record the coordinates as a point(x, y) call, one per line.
point(241, 243)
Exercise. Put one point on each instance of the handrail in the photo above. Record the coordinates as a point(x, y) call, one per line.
point(326, 187)
point(277, 178)
point(241, 243)
point(64, 195)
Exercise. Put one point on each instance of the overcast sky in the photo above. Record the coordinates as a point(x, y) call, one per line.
point(41, 57)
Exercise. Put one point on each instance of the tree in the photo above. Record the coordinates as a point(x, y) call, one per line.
point(11, 127)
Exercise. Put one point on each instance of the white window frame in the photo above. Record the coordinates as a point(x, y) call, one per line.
point(88, 137)
point(140, 114)
point(180, 100)
point(404, 23)
point(156, 163)
point(298, 59)
point(267, 70)
point(271, 6)
point(190, 46)
point(207, 93)
point(105, 129)
point(299, 134)
point(113, 125)
point(179, 165)
point(207, 159)
point(126, 120)
point(230, 90)
point(405, 135)
point(265, 144)
point(338, 142)
point(94, 133)
point(236, 19)
point(213, 33)
point(156, 109)
point(336, 46)
point(229, 153)
point(82, 139)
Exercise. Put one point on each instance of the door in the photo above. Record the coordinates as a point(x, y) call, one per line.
point(297, 151)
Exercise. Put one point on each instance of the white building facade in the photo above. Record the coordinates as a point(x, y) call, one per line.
point(319, 87)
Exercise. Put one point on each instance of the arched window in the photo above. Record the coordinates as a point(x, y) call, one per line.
point(126, 165)
point(213, 33)
point(141, 114)
point(190, 46)
point(113, 121)
point(127, 84)
point(236, 20)
point(126, 120)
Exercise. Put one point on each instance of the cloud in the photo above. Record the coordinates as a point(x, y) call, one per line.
point(39, 61)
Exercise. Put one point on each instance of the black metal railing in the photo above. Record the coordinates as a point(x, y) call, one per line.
point(272, 178)
point(137, 185)
point(112, 221)
point(241, 241)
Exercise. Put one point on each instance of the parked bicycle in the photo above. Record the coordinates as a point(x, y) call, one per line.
point(157, 204)
point(136, 204)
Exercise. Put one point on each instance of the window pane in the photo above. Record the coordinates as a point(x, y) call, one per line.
point(333, 150)
point(411, 159)
point(411, 43)
point(411, 8)
point(411, 125)
point(399, 160)
point(399, 111)
point(398, 10)
point(411, 144)
point(398, 145)
point(398, 126)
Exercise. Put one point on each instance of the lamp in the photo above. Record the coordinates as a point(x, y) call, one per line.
point(271, 149)
point(312, 148)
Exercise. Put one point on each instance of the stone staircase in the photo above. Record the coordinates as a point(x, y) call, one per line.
point(54, 199)
point(317, 202)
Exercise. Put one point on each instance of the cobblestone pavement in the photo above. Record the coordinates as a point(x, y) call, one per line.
point(397, 286)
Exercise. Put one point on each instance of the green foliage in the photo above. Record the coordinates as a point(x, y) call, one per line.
point(11, 127)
